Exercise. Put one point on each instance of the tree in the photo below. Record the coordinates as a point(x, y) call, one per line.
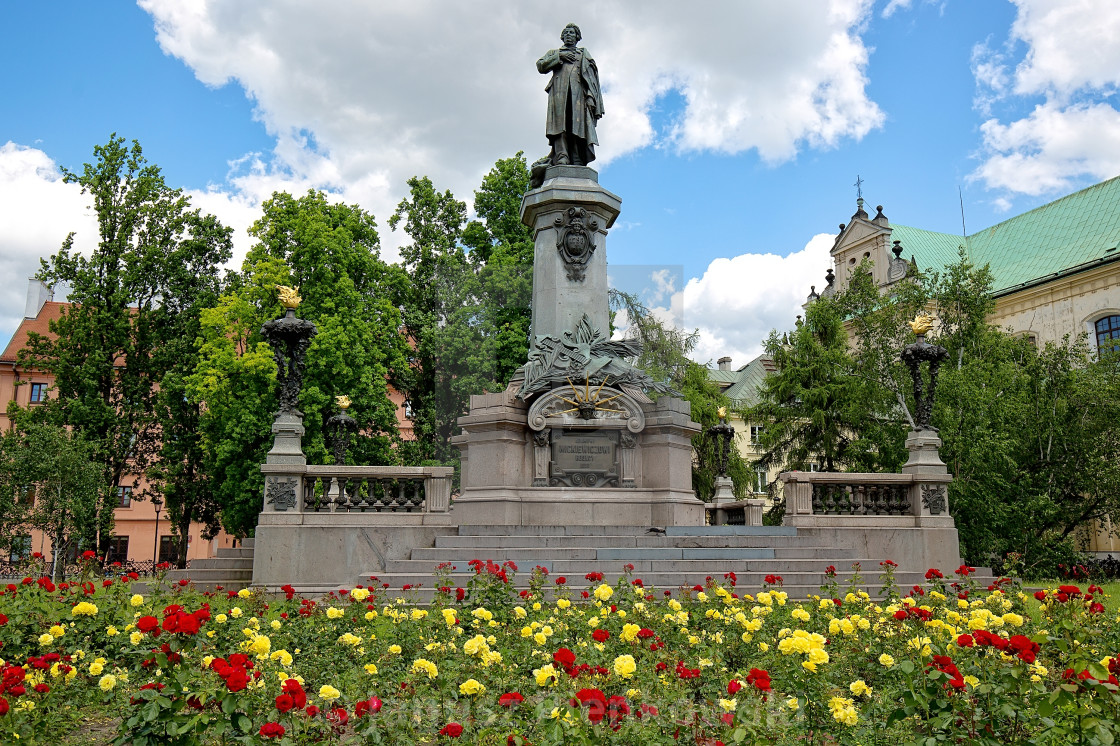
point(332, 252)
point(132, 303)
point(664, 356)
point(466, 313)
point(815, 406)
point(58, 468)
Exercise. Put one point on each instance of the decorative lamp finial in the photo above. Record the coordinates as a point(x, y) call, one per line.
point(289, 296)
point(343, 402)
point(722, 412)
point(922, 323)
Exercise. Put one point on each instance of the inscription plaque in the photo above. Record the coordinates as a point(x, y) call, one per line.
point(584, 458)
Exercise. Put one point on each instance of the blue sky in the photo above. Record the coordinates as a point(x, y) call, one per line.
point(733, 134)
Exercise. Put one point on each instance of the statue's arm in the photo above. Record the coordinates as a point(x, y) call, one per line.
point(550, 60)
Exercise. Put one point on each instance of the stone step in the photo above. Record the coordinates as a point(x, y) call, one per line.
point(490, 530)
point(234, 553)
point(213, 575)
point(798, 586)
point(217, 563)
point(516, 542)
point(248, 543)
point(568, 567)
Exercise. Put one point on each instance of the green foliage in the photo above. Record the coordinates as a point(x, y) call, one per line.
point(133, 308)
point(1028, 434)
point(466, 314)
point(331, 251)
point(818, 406)
point(60, 470)
point(665, 351)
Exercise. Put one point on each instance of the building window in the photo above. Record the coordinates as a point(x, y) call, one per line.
point(118, 549)
point(124, 496)
point(761, 483)
point(167, 550)
point(26, 495)
point(1108, 334)
point(38, 393)
point(756, 434)
point(21, 548)
point(813, 466)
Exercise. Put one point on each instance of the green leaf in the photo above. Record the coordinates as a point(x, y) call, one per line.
point(907, 667)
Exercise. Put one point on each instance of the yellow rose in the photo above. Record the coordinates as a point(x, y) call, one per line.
point(471, 687)
point(334, 613)
point(886, 660)
point(136, 637)
point(604, 592)
point(625, 666)
point(46, 639)
point(136, 600)
point(57, 630)
point(244, 593)
point(108, 681)
point(371, 669)
point(359, 594)
point(85, 608)
point(395, 649)
point(96, 668)
point(329, 693)
point(563, 603)
point(235, 612)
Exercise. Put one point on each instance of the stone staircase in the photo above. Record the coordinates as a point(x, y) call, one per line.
point(682, 556)
point(232, 569)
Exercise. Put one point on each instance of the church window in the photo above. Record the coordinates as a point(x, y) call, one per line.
point(1108, 334)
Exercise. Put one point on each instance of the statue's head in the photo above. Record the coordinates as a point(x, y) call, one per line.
point(569, 31)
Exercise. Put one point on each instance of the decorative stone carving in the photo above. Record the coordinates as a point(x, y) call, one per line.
point(627, 442)
point(280, 492)
point(575, 240)
point(541, 455)
point(584, 354)
point(934, 498)
point(587, 406)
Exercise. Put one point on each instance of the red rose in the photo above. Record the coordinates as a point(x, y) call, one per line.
point(148, 624)
point(367, 707)
point(509, 699)
point(734, 686)
point(4, 707)
point(272, 730)
point(600, 635)
point(3, 620)
point(460, 594)
point(237, 680)
point(284, 702)
point(561, 580)
point(42, 688)
point(454, 730)
point(932, 573)
point(564, 657)
point(965, 641)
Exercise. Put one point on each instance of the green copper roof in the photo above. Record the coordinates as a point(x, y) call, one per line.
point(1075, 231)
point(743, 391)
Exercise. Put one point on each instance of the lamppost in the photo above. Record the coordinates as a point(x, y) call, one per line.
point(157, 503)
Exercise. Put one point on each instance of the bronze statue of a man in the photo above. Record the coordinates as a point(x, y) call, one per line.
point(575, 102)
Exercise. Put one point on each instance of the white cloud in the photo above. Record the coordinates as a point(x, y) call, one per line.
point(361, 96)
point(1072, 67)
point(739, 300)
point(1072, 45)
point(1047, 151)
point(39, 211)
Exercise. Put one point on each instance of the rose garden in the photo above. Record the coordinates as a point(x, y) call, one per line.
point(564, 584)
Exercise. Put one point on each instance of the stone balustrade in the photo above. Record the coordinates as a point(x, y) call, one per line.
point(857, 494)
point(357, 489)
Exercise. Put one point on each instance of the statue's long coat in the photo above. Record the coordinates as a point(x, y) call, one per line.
point(570, 85)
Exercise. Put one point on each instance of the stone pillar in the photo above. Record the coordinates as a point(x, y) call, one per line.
point(924, 457)
point(569, 214)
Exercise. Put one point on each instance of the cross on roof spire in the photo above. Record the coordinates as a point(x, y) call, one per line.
point(859, 187)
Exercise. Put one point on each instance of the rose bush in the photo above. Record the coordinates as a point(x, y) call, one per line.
point(949, 662)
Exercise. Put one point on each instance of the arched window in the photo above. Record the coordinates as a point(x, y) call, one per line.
point(1108, 333)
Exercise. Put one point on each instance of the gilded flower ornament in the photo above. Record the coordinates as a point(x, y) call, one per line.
point(289, 296)
point(343, 402)
point(922, 323)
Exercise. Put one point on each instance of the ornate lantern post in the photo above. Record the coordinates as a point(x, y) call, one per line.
point(339, 428)
point(923, 442)
point(284, 466)
point(724, 492)
point(289, 337)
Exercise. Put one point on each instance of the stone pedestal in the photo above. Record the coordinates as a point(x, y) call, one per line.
point(287, 440)
point(505, 463)
point(924, 457)
point(565, 290)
